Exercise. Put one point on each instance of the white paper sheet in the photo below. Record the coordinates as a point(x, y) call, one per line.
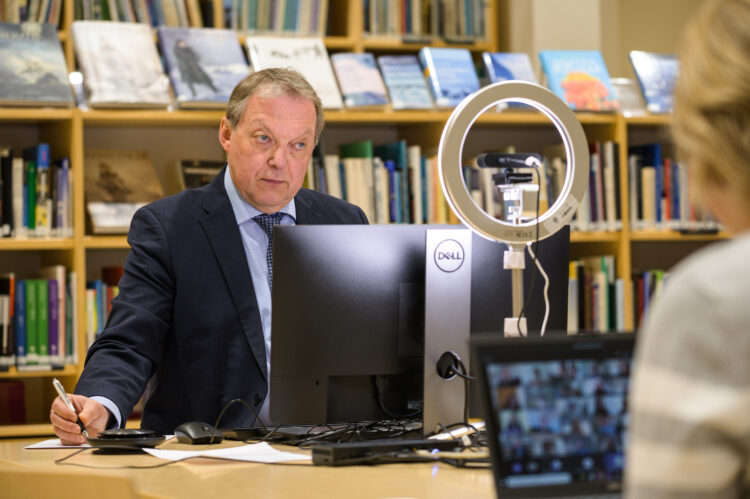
point(256, 453)
point(55, 443)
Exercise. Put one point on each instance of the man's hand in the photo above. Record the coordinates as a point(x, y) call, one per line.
point(93, 415)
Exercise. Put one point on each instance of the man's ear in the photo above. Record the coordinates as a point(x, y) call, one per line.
point(225, 133)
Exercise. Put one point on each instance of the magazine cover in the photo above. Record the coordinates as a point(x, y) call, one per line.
point(656, 74)
point(580, 78)
point(359, 79)
point(120, 64)
point(451, 74)
point(32, 66)
point(306, 55)
point(405, 82)
point(204, 64)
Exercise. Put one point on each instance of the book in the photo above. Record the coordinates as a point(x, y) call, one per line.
point(502, 66)
point(580, 78)
point(450, 73)
point(120, 65)
point(56, 277)
point(6, 191)
point(629, 97)
point(359, 79)
point(204, 64)
point(7, 295)
point(194, 173)
point(32, 66)
point(42, 209)
point(357, 183)
point(405, 82)
point(117, 183)
point(306, 55)
point(656, 74)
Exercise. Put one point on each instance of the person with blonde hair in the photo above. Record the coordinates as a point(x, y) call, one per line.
point(690, 390)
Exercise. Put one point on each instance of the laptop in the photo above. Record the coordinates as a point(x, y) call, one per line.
point(555, 410)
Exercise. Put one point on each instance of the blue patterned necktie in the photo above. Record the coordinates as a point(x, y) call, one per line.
point(267, 223)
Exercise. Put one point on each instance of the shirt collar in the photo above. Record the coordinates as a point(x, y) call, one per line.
point(244, 211)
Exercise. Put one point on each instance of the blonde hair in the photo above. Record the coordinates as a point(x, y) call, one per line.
point(712, 98)
point(270, 83)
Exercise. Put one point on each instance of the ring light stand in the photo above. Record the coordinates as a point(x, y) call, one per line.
point(516, 234)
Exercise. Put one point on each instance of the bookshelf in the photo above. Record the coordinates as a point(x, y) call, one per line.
point(193, 134)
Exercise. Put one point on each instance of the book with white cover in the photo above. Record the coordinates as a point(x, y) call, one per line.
point(120, 64)
point(306, 55)
point(204, 64)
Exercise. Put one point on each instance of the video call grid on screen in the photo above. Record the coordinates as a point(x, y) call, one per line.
point(561, 421)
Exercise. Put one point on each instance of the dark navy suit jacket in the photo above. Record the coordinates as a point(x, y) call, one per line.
point(187, 315)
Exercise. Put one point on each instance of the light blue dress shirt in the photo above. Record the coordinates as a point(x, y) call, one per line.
point(255, 242)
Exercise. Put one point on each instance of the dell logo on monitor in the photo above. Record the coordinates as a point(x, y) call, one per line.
point(449, 255)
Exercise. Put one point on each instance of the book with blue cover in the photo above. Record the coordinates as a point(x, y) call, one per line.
point(450, 73)
point(204, 64)
point(580, 78)
point(359, 79)
point(32, 66)
point(405, 82)
point(656, 74)
point(502, 66)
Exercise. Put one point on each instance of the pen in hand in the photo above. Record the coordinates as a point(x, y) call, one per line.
point(64, 396)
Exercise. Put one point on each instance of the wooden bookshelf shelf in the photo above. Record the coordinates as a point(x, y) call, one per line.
point(151, 117)
point(37, 114)
point(595, 237)
point(105, 242)
point(25, 244)
point(14, 373)
point(27, 430)
point(670, 235)
point(398, 44)
point(650, 120)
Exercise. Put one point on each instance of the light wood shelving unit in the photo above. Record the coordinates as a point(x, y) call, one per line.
point(69, 131)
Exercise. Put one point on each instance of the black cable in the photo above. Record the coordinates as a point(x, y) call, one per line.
point(62, 461)
point(218, 419)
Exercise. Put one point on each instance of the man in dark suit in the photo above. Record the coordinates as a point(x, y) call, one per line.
point(192, 320)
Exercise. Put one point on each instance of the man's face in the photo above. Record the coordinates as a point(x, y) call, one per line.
point(269, 151)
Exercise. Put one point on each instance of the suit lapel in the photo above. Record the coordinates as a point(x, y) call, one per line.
point(223, 235)
point(306, 213)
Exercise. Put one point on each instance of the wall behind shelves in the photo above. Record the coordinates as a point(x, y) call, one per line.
point(615, 27)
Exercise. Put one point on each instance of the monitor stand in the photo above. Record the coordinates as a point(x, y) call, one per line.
point(447, 322)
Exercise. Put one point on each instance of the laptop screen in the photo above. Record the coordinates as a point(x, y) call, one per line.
point(559, 411)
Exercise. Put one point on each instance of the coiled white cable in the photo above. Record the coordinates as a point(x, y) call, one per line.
point(546, 287)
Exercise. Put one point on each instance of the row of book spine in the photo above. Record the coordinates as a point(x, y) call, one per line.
point(180, 13)
point(296, 17)
point(454, 20)
point(660, 194)
point(39, 11)
point(596, 297)
point(392, 182)
point(35, 194)
point(98, 301)
point(38, 320)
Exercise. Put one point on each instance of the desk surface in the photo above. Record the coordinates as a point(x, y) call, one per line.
point(219, 479)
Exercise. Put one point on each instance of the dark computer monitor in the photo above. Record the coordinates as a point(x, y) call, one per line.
point(348, 317)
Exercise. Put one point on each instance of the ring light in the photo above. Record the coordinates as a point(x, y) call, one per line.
point(450, 164)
